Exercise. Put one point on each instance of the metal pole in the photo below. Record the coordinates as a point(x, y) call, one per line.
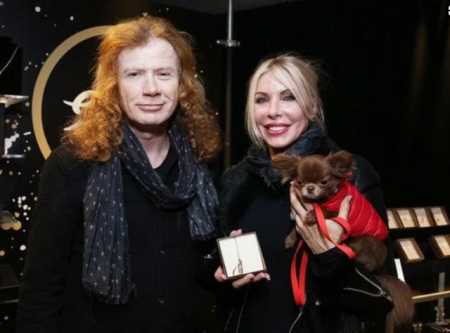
point(230, 20)
point(228, 108)
point(229, 43)
point(2, 129)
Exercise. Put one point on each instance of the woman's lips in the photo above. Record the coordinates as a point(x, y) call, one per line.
point(276, 130)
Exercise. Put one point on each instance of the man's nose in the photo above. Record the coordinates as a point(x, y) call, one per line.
point(151, 86)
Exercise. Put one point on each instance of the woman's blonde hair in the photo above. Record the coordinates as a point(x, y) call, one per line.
point(300, 77)
point(97, 131)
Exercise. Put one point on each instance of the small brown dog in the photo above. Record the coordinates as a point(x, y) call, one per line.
point(318, 178)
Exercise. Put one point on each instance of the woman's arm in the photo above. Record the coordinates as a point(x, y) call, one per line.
point(368, 182)
point(351, 289)
point(49, 249)
point(361, 293)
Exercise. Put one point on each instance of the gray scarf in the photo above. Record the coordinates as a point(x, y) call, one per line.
point(106, 264)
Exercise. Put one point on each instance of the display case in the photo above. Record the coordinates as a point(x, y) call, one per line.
point(421, 239)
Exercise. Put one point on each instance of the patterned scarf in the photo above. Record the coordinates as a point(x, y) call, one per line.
point(106, 265)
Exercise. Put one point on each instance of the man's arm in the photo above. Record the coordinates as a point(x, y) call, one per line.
point(49, 249)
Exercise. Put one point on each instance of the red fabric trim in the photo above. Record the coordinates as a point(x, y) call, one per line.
point(298, 280)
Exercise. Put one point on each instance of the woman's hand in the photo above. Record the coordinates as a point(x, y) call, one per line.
point(220, 276)
point(311, 233)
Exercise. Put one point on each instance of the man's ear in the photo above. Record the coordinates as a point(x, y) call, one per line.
point(286, 165)
point(341, 163)
point(181, 90)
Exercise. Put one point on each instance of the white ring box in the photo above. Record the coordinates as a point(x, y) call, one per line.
point(241, 255)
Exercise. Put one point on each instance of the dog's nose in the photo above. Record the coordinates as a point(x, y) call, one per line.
point(310, 188)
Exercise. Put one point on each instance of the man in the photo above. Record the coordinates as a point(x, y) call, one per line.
point(125, 199)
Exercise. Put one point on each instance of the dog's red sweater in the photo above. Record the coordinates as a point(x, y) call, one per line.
point(362, 220)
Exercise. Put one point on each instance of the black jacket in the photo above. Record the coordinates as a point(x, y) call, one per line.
point(248, 203)
point(164, 260)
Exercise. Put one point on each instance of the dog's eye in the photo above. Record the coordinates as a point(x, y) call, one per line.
point(324, 182)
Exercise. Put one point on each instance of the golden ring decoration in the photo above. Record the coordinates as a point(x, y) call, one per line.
point(44, 74)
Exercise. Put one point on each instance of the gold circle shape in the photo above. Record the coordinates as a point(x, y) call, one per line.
point(44, 74)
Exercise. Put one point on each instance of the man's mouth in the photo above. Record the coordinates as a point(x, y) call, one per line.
point(150, 107)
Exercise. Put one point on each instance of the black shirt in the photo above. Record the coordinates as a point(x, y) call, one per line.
point(163, 259)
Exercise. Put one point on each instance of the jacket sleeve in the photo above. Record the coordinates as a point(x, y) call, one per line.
point(361, 293)
point(234, 185)
point(49, 249)
point(231, 204)
point(368, 183)
point(356, 290)
point(331, 264)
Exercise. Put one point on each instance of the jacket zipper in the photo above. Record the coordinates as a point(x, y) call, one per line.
point(380, 291)
point(295, 322)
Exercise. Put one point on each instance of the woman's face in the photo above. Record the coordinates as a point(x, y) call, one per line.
point(278, 116)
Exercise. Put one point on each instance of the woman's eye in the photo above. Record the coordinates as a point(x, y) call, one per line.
point(260, 100)
point(289, 97)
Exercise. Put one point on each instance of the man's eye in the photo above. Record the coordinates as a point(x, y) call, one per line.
point(165, 75)
point(132, 74)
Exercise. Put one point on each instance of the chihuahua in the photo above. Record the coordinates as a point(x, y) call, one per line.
point(323, 180)
point(317, 179)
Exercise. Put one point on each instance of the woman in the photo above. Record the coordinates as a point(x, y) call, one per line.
point(126, 200)
point(284, 115)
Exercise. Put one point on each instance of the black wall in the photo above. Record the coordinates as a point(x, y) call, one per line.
point(385, 83)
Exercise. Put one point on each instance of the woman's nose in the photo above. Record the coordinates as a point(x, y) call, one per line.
point(274, 108)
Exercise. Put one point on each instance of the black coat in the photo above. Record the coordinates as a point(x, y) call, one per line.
point(268, 306)
point(164, 260)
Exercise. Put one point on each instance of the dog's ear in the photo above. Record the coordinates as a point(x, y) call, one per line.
point(341, 163)
point(286, 165)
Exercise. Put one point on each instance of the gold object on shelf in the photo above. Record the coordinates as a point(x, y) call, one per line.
point(417, 327)
point(431, 296)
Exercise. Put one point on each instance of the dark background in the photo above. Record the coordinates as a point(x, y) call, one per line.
point(385, 83)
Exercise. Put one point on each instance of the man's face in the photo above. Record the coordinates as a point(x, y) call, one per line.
point(148, 78)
